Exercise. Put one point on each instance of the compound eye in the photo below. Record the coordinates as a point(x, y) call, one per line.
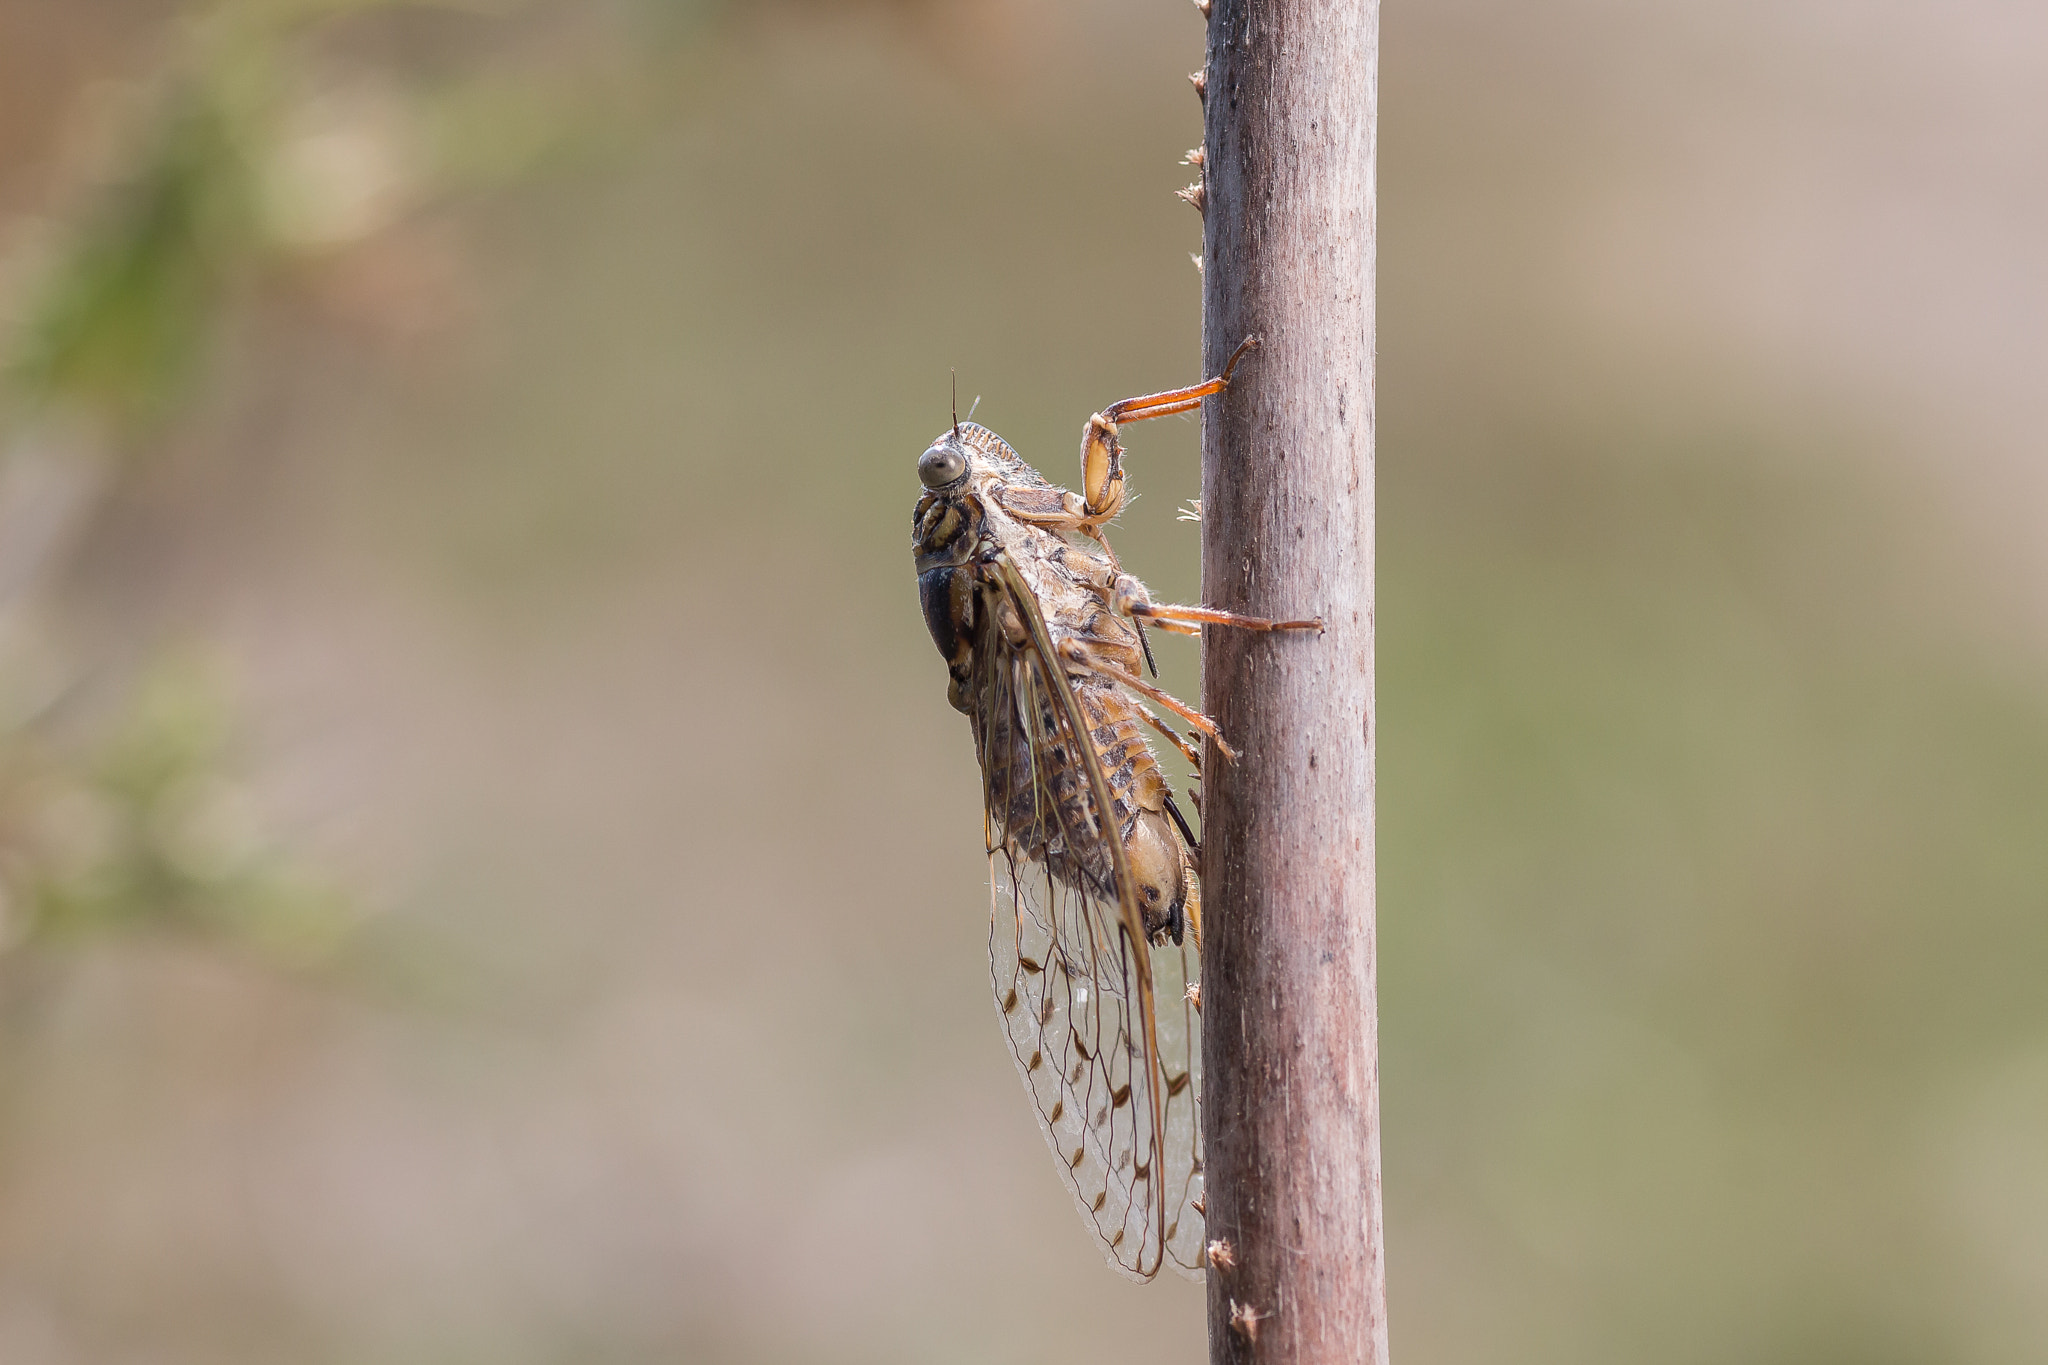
point(942, 464)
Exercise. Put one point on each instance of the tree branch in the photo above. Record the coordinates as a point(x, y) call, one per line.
point(1291, 1095)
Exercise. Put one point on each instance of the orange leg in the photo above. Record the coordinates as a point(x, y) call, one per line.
point(1177, 400)
point(1102, 475)
point(1127, 597)
point(1189, 620)
point(1175, 738)
point(1176, 627)
point(1079, 654)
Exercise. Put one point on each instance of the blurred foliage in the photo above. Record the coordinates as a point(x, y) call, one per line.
point(262, 143)
point(146, 830)
point(266, 140)
point(120, 323)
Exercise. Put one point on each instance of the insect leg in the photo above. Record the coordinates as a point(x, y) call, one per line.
point(1127, 597)
point(1178, 741)
point(1190, 619)
point(1173, 627)
point(1177, 400)
point(1078, 653)
point(1057, 510)
point(1102, 474)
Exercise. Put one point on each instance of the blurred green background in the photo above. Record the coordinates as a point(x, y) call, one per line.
point(489, 873)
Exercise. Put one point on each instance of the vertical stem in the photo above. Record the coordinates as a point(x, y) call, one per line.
point(1290, 1032)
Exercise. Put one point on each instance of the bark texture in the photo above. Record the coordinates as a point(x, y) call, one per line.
point(1291, 1091)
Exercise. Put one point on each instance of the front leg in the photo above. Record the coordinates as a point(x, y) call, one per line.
point(1102, 471)
point(1056, 510)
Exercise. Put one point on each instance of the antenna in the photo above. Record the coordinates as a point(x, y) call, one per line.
point(956, 404)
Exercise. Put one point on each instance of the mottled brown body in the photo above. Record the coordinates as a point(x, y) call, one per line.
point(1042, 633)
point(1073, 578)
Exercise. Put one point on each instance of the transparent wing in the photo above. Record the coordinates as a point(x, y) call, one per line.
point(1063, 982)
point(1107, 1041)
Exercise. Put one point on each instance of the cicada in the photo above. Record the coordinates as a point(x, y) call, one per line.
point(1096, 921)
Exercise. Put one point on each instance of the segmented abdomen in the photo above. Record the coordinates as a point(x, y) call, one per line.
point(1037, 786)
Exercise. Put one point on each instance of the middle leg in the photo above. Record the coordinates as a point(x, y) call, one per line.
point(1128, 597)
